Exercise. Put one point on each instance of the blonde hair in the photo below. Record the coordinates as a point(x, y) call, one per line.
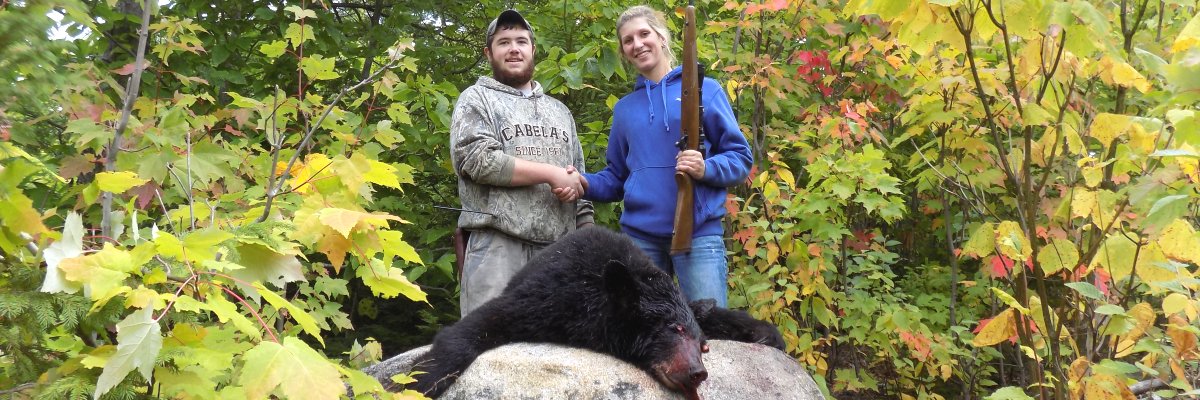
point(657, 22)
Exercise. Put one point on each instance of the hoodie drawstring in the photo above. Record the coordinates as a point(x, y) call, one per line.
point(650, 101)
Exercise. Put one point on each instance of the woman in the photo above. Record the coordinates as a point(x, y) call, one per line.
point(643, 157)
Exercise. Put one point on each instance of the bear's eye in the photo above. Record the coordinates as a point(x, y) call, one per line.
point(678, 328)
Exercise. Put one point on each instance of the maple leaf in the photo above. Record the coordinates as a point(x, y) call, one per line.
point(996, 329)
point(308, 374)
point(744, 235)
point(1001, 266)
point(139, 339)
point(918, 343)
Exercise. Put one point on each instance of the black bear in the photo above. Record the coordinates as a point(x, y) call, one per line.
point(724, 324)
point(593, 289)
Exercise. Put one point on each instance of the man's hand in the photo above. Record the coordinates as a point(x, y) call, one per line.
point(690, 162)
point(567, 185)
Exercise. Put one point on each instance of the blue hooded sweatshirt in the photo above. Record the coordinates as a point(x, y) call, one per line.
point(641, 158)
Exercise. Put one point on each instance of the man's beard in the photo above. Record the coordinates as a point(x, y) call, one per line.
point(514, 79)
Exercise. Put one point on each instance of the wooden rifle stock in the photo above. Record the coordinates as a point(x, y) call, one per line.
point(681, 236)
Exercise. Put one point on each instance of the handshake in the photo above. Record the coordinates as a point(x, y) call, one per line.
point(568, 184)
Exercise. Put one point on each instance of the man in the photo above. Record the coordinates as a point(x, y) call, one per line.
point(518, 160)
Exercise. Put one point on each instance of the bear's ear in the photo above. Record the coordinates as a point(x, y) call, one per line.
point(703, 307)
point(621, 286)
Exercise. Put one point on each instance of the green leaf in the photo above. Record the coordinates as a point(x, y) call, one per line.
point(297, 34)
point(399, 113)
point(293, 369)
point(273, 49)
point(1087, 290)
point(609, 61)
point(394, 245)
point(387, 282)
point(360, 382)
point(139, 339)
point(197, 246)
point(1009, 393)
point(1110, 309)
point(227, 312)
point(262, 264)
point(300, 13)
point(318, 67)
point(89, 132)
point(307, 323)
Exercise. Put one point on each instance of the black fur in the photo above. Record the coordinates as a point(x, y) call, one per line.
point(725, 324)
point(593, 289)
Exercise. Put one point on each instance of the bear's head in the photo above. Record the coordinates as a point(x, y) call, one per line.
point(659, 333)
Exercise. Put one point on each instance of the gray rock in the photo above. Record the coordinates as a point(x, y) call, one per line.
point(736, 370)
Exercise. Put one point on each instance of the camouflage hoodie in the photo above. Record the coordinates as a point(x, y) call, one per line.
point(493, 124)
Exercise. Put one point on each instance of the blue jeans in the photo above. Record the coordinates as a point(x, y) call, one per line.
point(701, 272)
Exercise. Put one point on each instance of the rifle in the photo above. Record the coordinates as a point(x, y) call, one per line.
point(692, 134)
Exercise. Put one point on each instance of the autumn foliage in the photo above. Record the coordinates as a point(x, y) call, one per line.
point(952, 198)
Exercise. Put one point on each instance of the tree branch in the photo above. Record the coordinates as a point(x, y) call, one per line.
point(131, 93)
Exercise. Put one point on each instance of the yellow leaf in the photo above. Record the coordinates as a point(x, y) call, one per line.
point(1117, 256)
point(1174, 303)
point(343, 220)
point(982, 241)
point(1079, 368)
point(118, 182)
point(1106, 387)
point(1141, 140)
point(1179, 242)
point(1189, 37)
point(1092, 172)
point(313, 165)
point(1058, 255)
point(104, 270)
point(1125, 75)
point(1082, 203)
point(997, 330)
point(382, 174)
point(144, 297)
point(335, 248)
point(1012, 242)
point(1143, 315)
point(1106, 127)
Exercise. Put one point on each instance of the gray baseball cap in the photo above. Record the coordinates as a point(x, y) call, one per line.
point(508, 17)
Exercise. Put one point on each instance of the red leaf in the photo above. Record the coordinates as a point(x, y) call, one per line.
point(776, 5)
point(1042, 233)
point(125, 70)
point(957, 252)
point(1001, 267)
point(744, 235)
point(1102, 279)
point(235, 132)
point(982, 323)
point(918, 343)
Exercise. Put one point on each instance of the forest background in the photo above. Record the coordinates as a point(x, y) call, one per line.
point(951, 198)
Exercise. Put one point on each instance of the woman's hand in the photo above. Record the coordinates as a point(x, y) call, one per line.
point(690, 162)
